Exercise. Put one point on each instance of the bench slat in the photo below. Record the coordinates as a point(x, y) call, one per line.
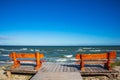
point(26, 55)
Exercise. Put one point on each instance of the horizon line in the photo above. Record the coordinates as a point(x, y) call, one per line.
point(61, 45)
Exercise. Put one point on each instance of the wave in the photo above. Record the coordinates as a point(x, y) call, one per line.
point(80, 50)
point(95, 50)
point(23, 49)
point(68, 56)
point(118, 50)
point(4, 55)
point(37, 50)
point(6, 62)
point(61, 50)
point(61, 60)
point(118, 58)
point(87, 48)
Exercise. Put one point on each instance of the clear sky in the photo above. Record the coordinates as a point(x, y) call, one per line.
point(59, 22)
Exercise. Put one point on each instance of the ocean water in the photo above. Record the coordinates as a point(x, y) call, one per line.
point(56, 53)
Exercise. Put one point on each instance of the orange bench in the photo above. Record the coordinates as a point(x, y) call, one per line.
point(36, 55)
point(101, 58)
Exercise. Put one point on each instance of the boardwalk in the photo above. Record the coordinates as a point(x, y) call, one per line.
point(55, 71)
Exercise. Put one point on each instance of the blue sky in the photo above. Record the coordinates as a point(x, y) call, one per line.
point(59, 22)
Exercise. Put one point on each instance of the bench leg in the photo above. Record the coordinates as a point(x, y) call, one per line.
point(16, 64)
point(82, 66)
point(108, 61)
point(38, 66)
point(38, 63)
point(82, 63)
point(107, 66)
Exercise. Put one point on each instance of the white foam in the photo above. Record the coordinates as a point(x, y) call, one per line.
point(6, 61)
point(68, 56)
point(4, 55)
point(118, 58)
point(118, 50)
point(61, 50)
point(61, 60)
point(87, 48)
point(80, 50)
point(31, 49)
point(73, 59)
point(37, 50)
point(23, 49)
point(95, 50)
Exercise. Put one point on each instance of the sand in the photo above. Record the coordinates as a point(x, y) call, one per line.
point(3, 75)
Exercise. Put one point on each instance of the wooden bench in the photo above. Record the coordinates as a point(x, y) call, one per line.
point(36, 55)
point(101, 58)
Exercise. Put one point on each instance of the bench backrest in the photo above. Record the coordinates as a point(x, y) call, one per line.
point(36, 55)
point(25, 55)
point(108, 55)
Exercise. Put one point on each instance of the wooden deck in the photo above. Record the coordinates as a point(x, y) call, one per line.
point(63, 71)
point(99, 70)
point(28, 69)
point(57, 71)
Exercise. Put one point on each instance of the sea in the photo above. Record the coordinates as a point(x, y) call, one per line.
point(56, 53)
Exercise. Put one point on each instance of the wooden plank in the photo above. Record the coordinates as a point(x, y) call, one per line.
point(68, 68)
point(58, 68)
point(26, 55)
point(54, 68)
point(97, 69)
point(61, 68)
point(97, 56)
point(48, 68)
point(72, 68)
point(45, 68)
point(64, 69)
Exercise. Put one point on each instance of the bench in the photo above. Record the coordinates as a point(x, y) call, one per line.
point(36, 55)
point(102, 58)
